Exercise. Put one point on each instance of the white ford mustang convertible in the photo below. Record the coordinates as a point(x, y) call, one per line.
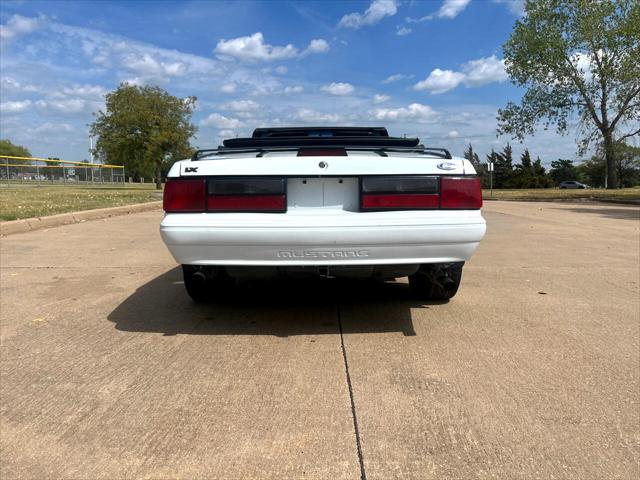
point(347, 202)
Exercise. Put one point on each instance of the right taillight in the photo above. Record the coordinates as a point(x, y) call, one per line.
point(460, 193)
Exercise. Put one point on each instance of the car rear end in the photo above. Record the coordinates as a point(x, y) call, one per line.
point(353, 212)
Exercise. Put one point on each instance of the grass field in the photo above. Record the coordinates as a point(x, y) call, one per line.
point(630, 195)
point(32, 201)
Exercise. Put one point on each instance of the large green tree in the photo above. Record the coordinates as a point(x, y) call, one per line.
point(145, 129)
point(576, 57)
point(10, 149)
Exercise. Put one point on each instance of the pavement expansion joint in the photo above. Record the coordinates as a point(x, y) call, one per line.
point(354, 415)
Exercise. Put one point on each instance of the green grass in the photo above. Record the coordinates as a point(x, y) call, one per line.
point(26, 201)
point(630, 195)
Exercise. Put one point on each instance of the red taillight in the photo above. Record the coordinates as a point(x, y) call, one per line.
point(246, 203)
point(400, 201)
point(184, 196)
point(460, 193)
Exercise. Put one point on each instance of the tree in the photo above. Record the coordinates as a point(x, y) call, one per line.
point(145, 129)
point(503, 167)
point(523, 173)
point(481, 169)
point(563, 170)
point(576, 56)
point(540, 177)
point(12, 150)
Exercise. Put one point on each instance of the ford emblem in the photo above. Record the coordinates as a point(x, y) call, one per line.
point(447, 166)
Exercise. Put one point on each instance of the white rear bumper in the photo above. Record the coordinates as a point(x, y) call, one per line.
point(330, 238)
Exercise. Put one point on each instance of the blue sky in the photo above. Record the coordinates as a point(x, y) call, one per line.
point(427, 68)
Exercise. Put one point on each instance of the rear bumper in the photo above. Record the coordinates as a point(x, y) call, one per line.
point(345, 238)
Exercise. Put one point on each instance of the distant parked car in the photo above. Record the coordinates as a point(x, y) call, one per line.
point(572, 184)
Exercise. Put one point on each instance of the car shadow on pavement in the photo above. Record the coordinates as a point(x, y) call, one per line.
point(279, 308)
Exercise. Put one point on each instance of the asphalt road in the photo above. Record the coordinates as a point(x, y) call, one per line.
point(532, 371)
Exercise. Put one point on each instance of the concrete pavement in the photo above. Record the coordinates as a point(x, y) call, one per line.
point(531, 371)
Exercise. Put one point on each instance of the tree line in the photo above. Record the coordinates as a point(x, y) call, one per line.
point(530, 173)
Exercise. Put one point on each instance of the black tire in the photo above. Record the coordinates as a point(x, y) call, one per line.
point(206, 284)
point(436, 281)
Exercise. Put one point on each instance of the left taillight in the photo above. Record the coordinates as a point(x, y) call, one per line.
point(184, 196)
point(225, 194)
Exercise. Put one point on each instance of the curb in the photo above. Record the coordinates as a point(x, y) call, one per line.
point(37, 223)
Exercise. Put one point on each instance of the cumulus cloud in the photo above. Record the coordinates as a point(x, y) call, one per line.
point(18, 25)
point(220, 121)
point(448, 9)
point(396, 78)
point(254, 49)
point(147, 66)
point(484, 70)
point(8, 83)
point(379, 98)
point(308, 115)
point(474, 74)
point(240, 105)
point(317, 45)
point(66, 106)
point(338, 88)
point(378, 9)
point(49, 127)
point(15, 106)
point(440, 81)
point(402, 31)
point(415, 112)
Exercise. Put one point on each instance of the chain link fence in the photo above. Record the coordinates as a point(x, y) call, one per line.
point(42, 171)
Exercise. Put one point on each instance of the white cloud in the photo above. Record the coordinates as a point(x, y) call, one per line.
point(13, 85)
point(451, 8)
point(49, 127)
point(448, 9)
point(226, 134)
point(308, 115)
point(15, 107)
point(92, 92)
point(484, 70)
point(415, 112)
point(229, 87)
point(18, 25)
point(146, 65)
point(66, 106)
point(453, 134)
point(516, 7)
point(253, 49)
point(220, 121)
point(338, 88)
point(294, 89)
point(402, 31)
point(474, 74)
point(317, 45)
point(379, 98)
point(396, 78)
point(378, 9)
point(281, 69)
point(440, 81)
point(240, 105)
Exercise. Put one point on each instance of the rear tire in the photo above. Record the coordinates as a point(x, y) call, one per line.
point(436, 281)
point(206, 284)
